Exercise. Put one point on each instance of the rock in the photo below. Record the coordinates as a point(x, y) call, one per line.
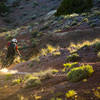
point(51, 13)
point(21, 7)
point(33, 17)
point(25, 13)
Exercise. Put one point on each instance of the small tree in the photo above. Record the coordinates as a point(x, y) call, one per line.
point(3, 8)
point(74, 6)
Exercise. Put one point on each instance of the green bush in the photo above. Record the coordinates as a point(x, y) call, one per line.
point(34, 42)
point(47, 74)
point(3, 8)
point(16, 3)
point(73, 57)
point(35, 3)
point(74, 6)
point(16, 81)
point(69, 66)
point(98, 54)
point(9, 37)
point(36, 34)
point(32, 82)
point(8, 76)
point(97, 46)
point(79, 73)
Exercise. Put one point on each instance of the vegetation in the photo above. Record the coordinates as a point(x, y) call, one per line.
point(16, 81)
point(79, 73)
point(9, 37)
point(50, 49)
point(3, 8)
point(8, 76)
point(36, 34)
point(98, 54)
point(47, 74)
point(73, 57)
point(32, 82)
point(71, 6)
point(34, 42)
point(69, 66)
point(71, 94)
point(97, 46)
point(42, 75)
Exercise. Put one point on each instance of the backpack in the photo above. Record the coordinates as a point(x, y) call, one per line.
point(12, 49)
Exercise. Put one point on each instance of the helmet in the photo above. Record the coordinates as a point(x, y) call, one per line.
point(14, 40)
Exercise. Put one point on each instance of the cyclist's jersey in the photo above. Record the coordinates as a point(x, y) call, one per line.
point(12, 48)
point(16, 47)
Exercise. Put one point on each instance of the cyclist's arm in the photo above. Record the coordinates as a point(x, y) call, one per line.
point(18, 51)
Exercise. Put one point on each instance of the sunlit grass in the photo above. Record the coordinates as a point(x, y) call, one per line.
point(71, 15)
point(37, 97)
point(98, 88)
point(42, 74)
point(71, 94)
point(56, 98)
point(49, 49)
point(84, 80)
point(73, 57)
point(21, 97)
point(74, 47)
point(97, 93)
point(57, 53)
point(32, 82)
point(69, 66)
point(17, 60)
point(8, 76)
point(98, 54)
point(16, 81)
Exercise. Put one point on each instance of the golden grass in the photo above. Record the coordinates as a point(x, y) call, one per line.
point(74, 47)
point(48, 49)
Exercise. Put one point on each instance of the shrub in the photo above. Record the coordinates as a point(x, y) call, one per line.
point(56, 53)
point(36, 34)
point(47, 74)
point(8, 76)
point(34, 42)
point(3, 8)
point(43, 75)
point(44, 27)
point(73, 57)
point(16, 81)
point(74, 6)
point(79, 73)
point(71, 94)
point(3, 29)
point(32, 82)
point(16, 3)
point(69, 66)
point(97, 46)
point(9, 37)
point(35, 4)
point(96, 13)
point(50, 49)
point(98, 54)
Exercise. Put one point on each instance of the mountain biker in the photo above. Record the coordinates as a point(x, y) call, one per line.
point(12, 49)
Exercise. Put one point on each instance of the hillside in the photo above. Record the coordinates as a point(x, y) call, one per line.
point(60, 54)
